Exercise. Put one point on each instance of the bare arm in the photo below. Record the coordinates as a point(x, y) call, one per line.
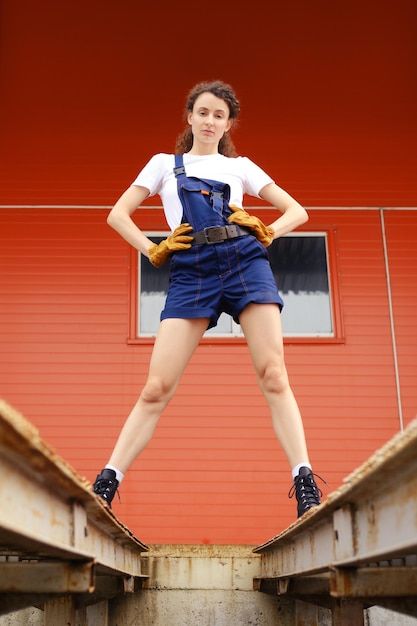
point(293, 214)
point(120, 219)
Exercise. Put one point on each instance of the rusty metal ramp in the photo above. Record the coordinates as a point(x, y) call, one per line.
point(57, 538)
point(359, 547)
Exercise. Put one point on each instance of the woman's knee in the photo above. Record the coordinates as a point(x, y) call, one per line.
point(156, 390)
point(274, 378)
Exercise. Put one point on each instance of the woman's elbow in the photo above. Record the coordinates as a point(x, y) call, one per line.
point(112, 219)
point(304, 217)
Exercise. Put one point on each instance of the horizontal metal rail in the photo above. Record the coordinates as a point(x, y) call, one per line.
point(56, 535)
point(360, 543)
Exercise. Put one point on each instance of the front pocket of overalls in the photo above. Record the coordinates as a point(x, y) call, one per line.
point(249, 246)
point(205, 196)
point(185, 264)
point(197, 187)
point(196, 192)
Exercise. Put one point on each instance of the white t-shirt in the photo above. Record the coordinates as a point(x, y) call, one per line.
point(240, 173)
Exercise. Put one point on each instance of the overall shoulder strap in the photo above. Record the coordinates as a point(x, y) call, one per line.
point(218, 192)
point(179, 169)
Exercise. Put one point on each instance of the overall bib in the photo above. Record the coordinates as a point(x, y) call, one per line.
point(226, 268)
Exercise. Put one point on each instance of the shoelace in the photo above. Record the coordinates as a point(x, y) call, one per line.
point(104, 486)
point(306, 490)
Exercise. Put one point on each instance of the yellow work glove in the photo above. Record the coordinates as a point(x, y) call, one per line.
point(179, 240)
point(264, 234)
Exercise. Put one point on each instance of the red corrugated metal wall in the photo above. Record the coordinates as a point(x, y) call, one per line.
point(214, 471)
point(89, 92)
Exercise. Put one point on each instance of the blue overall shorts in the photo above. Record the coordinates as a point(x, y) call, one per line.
point(226, 268)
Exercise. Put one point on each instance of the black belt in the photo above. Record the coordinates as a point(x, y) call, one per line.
point(217, 234)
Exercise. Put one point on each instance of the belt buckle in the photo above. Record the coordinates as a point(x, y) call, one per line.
point(217, 232)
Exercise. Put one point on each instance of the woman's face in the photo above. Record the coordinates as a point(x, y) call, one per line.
point(209, 120)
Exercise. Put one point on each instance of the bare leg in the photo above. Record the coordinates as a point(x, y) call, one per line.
point(261, 324)
point(175, 344)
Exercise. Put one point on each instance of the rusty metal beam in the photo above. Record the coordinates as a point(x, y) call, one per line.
point(47, 577)
point(49, 513)
point(373, 582)
point(358, 533)
point(348, 613)
point(309, 586)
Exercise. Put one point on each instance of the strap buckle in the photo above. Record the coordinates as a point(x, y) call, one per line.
point(215, 234)
point(179, 171)
point(216, 195)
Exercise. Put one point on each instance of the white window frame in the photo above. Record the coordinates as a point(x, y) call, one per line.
point(235, 329)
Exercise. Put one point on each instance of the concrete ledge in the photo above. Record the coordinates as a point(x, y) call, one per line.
point(201, 567)
point(208, 585)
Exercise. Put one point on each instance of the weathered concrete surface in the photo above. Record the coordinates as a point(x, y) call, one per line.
point(190, 567)
point(202, 607)
point(199, 586)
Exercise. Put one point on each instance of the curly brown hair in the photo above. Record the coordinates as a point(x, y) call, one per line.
point(221, 90)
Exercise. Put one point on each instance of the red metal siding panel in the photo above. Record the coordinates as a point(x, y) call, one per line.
point(214, 471)
point(336, 125)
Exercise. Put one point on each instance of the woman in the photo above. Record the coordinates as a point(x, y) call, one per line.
point(219, 263)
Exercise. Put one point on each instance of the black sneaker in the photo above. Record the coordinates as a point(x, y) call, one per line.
point(305, 490)
point(106, 485)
